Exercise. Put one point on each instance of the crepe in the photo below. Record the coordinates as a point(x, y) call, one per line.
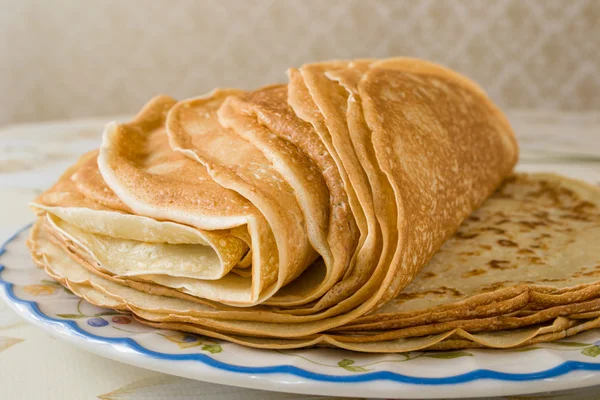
point(283, 184)
point(357, 206)
point(267, 110)
point(521, 241)
point(421, 228)
point(498, 339)
point(519, 197)
point(167, 248)
point(94, 289)
point(66, 203)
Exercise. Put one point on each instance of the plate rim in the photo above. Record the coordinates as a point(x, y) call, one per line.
point(71, 329)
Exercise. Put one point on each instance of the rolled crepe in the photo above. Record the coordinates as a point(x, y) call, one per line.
point(518, 299)
point(288, 211)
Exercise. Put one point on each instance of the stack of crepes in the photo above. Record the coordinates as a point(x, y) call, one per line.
point(365, 204)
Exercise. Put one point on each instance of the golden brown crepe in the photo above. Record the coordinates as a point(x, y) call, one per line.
point(320, 212)
point(563, 293)
point(453, 338)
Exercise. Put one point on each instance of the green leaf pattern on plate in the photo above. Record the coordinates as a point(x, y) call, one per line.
point(572, 344)
point(449, 354)
point(212, 348)
point(591, 351)
point(347, 365)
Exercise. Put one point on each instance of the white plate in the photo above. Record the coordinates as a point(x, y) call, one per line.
point(567, 364)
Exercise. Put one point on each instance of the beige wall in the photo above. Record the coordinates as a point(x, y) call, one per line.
point(74, 58)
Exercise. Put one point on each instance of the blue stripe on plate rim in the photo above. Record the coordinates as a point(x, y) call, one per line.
point(72, 326)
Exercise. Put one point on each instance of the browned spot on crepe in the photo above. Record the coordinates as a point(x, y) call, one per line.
point(429, 275)
point(493, 229)
point(461, 235)
point(507, 243)
point(474, 272)
point(500, 264)
point(526, 251)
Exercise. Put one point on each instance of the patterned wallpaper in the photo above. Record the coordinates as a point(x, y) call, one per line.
point(69, 58)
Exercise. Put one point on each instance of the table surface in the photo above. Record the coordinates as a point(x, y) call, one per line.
point(35, 366)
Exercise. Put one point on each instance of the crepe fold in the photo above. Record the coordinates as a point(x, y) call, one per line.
point(338, 209)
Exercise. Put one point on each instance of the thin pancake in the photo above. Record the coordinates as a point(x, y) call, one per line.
point(269, 107)
point(416, 217)
point(324, 106)
point(247, 171)
point(504, 247)
point(47, 256)
point(214, 253)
